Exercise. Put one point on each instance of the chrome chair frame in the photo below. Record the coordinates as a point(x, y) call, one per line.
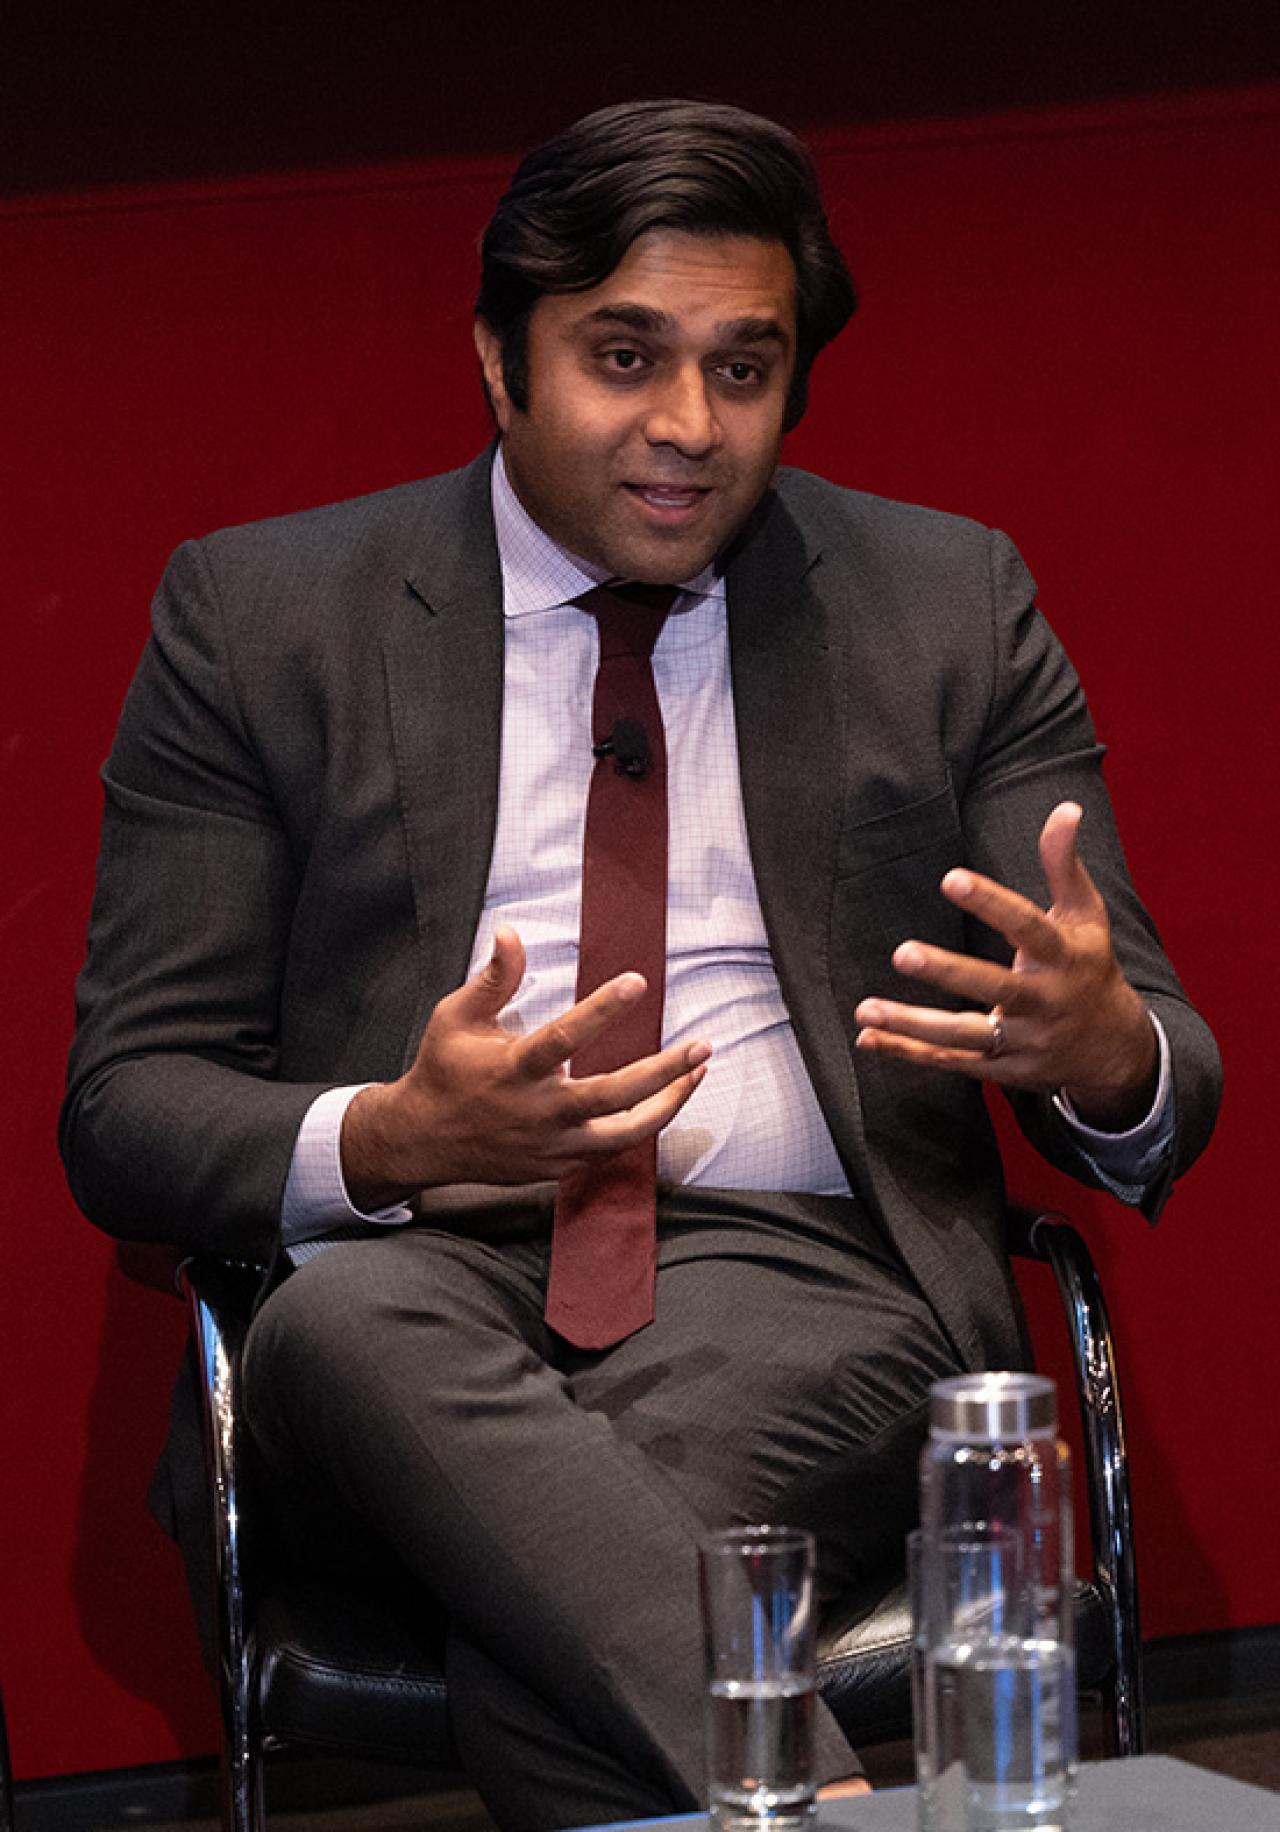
point(1052, 1238)
point(220, 1296)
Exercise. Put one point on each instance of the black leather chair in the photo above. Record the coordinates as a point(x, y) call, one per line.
point(346, 1668)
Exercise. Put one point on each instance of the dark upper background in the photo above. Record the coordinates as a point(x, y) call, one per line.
point(118, 93)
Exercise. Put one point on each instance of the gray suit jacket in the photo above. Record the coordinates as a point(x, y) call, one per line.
point(301, 802)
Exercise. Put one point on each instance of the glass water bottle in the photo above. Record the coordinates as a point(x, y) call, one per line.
point(998, 1571)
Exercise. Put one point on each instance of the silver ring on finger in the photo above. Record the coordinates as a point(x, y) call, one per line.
point(996, 1035)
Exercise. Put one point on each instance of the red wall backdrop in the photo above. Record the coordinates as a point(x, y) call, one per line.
point(1069, 328)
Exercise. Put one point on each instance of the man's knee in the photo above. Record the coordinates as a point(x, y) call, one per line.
point(427, 1318)
point(353, 1295)
point(316, 1346)
point(307, 1319)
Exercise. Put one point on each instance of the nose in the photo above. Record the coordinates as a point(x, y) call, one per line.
point(682, 414)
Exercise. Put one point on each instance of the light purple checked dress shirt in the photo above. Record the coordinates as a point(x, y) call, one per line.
point(754, 1123)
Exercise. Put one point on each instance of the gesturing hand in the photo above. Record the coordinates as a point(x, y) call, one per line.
point(480, 1105)
point(1068, 1019)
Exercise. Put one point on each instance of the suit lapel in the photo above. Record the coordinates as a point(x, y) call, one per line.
point(788, 703)
point(442, 656)
point(808, 715)
point(789, 684)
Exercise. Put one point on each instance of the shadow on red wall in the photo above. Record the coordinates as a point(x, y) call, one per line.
point(148, 1649)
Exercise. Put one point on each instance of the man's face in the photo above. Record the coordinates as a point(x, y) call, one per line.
point(656, 402)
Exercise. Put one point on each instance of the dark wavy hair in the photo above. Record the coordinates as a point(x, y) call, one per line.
point(577, 203)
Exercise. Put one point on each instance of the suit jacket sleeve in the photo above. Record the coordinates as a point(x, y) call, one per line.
point(175, 1125)
point(1039, 747)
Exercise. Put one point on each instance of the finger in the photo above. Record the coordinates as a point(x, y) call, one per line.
point(1023, 924)
point(483, 996)
point(979, 1065)
point(983, 982)
point(1070, 886)
point(617, 1131)
point(547, 1048)
point(620, 1089)
point(949, 1030)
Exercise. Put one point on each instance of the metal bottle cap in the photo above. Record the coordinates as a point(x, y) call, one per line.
point(993, 1407)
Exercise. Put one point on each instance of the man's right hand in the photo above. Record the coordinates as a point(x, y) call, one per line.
point(480, 1105)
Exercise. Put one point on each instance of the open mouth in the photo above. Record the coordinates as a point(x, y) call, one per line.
point(669, 500)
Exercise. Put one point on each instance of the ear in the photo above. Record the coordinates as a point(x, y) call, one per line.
point(489, 350)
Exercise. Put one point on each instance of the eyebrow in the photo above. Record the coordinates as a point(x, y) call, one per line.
point(644, 318)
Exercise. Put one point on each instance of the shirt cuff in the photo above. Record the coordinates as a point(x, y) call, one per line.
point(1127, 1163)
point(315, 1194)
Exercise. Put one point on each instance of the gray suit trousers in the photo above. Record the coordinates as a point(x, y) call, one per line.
point(412, 1404)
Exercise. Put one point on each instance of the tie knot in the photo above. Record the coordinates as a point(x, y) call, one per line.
point(629, 615)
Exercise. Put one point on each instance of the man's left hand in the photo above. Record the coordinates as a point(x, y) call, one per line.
point(1061, 1017)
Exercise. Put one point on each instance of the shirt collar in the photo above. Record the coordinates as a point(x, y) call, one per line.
point(540, 575)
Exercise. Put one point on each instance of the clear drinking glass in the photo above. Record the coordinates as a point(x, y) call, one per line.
point(758, 1623)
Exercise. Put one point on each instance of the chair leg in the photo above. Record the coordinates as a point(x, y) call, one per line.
point(1124, 1712)
point(243, 1806)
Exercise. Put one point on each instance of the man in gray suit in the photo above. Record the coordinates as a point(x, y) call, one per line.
point(330, 1001)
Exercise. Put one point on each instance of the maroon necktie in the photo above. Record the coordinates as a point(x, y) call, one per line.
point(603, 1248)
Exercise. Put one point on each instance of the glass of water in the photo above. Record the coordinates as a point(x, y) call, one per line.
point(758, 1623)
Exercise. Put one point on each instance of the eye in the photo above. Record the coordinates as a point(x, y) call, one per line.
point(742, 373)
point(623, 361)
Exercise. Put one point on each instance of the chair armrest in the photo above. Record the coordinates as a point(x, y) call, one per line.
point(1051, 1238)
